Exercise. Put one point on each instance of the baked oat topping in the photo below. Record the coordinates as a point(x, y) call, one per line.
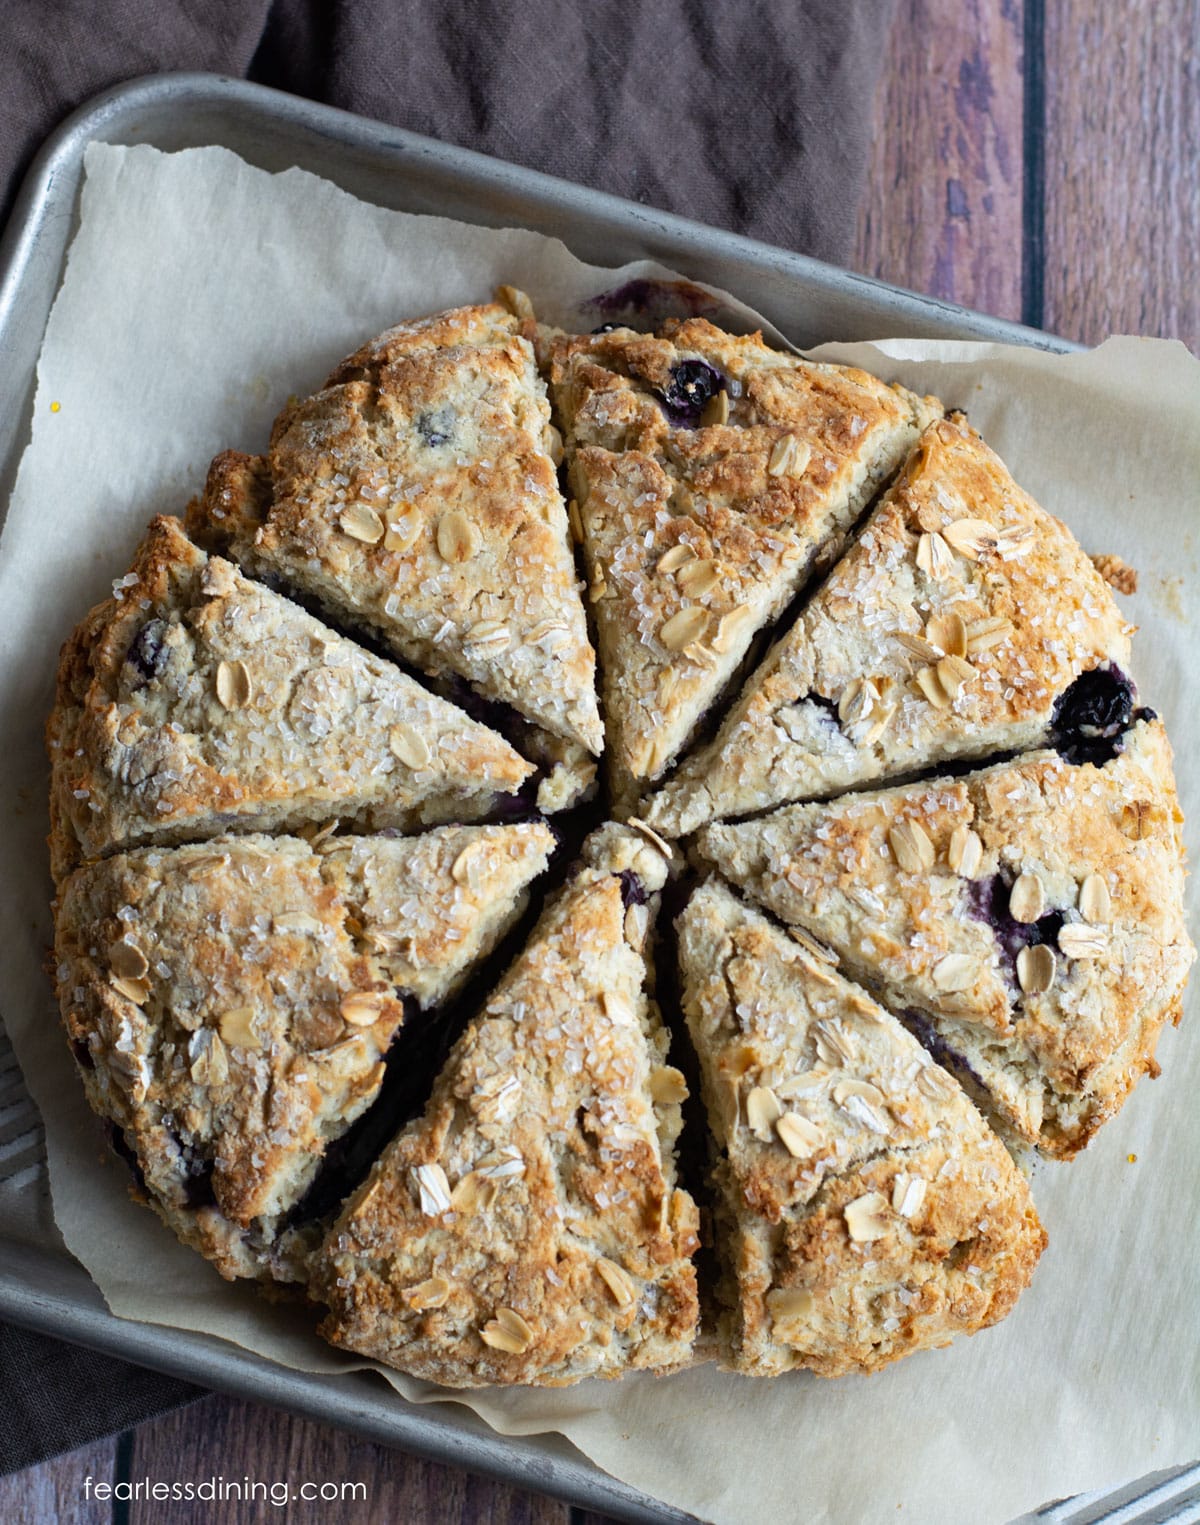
point(702, 516)
point(1095, 903)
point(1036, 968)
point(416, 493)
point(555, 1117)
point(1040, 614)
point(887, 1169)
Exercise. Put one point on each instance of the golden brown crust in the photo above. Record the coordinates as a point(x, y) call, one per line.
point(1096, 848)
point(867, 1210)
point(949, 629)
point(230, 1003)
point(416, 493)
point(741, 499)
point(195, 701)
point(528, 1229)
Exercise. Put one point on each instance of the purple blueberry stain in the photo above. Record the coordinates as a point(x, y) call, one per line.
point(827, 707)
point(927, 1035)
point(633, 891)
point(644, 303)
point(197, 1173)
point(988, 901)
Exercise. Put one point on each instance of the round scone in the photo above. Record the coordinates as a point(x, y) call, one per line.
point(230, 1003)
point(231, 995)
point(1026, 920)
point(710, 474)
point(195, 701)
point(958, 625)
point(865, 1209)
point(528, 1228)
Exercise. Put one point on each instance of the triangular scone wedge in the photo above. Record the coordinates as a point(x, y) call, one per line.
point(528, 1228)
point(229, 1004)
point(954, 627)
point(1027, 919)
point(864, 1208)
point(195, 701)
point(430, 907)
point(709, 472)
point(417, 494)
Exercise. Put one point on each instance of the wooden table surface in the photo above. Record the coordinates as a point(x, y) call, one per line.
point(1036, 159)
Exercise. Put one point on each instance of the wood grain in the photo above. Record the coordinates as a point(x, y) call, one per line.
point(1122, 169)
point(226, 1438)
point(942, 209)
point(52, 1492)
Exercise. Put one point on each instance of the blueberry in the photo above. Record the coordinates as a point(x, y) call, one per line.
point(515, 808)
point(633, 891)
point(691, 385)
point(1092, 716)
point(436, 427)
point(147, 652)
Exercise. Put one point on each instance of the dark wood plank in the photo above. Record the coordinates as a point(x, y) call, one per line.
point(942, 208)
point(1122, 169)
point(225, 1438)
point(55, 1490)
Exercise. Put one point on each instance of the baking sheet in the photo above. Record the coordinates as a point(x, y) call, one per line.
point(199, 294)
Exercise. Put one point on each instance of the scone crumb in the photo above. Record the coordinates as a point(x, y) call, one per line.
point(1118, 574)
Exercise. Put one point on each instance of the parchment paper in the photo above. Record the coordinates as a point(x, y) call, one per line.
point(201, 292)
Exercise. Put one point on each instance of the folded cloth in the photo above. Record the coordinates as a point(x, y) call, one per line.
point(56, 1397)
point(753, 116)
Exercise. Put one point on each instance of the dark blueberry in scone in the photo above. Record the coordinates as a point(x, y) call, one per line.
point(691, 385)
point(148, 653)
point(1031, 911)
point(436, 427)
point(633, 891)
point(1092, 715)
point(826, 708)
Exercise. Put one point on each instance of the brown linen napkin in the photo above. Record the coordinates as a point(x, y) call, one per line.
point(753, 116)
